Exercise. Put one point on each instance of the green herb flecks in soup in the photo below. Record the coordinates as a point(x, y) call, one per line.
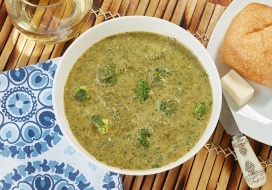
point(147, 100)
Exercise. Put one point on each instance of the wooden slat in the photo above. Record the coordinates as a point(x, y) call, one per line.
point(225, 173)
point(26, 53)
point(204, 22)
point(46, 52)
point(151, 10)
point(179, 12)
point(197, 15)
point(36, 53)
point(161, 8)
point(184, 174)
point(218, 11)
point(132, 7)
point(127, 181)
point(142, 7)
point(115, 6)
point(169, 10)
point(17, 53)
point(3, 14)
point(159, 181)
point(209, 164)
point(189, 11)
point(13, 36)
point(197, 167)
point(218, 162)
point(123, 7)
point(171, 178)
point(235, 177)
point(137, 183)
point(12, 54)
point(267, 185)
point(148, 181)
point(5, 31)
point(58, 50)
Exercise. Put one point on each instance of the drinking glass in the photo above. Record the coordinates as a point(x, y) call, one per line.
point(49, 21)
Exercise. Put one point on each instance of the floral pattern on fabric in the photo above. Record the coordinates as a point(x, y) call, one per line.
point(29, 125)
point(45, 175)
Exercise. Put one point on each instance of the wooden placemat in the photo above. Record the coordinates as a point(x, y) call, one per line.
point(215, 165)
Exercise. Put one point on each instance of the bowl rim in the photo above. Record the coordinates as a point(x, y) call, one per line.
point(135, 22)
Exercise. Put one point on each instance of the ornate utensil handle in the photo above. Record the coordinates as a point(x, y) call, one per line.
point(252, 169)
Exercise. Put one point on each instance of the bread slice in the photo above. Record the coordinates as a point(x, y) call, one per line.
point(247, 45)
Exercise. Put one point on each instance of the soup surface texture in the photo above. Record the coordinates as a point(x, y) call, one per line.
point(149, 126)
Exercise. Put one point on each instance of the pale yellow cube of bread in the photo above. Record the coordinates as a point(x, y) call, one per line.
point(238, 89)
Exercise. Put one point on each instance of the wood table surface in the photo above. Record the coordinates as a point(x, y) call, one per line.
point(214, 166)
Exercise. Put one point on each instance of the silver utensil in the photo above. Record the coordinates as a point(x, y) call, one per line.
point(252, 169)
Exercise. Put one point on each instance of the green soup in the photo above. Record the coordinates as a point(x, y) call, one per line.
point(176, 84)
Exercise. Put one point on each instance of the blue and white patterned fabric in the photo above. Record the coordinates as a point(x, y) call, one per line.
point(34, 154)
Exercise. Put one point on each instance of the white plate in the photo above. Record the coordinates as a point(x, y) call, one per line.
point(255, 118)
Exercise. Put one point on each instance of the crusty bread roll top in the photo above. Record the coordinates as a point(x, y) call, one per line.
point(247, 45)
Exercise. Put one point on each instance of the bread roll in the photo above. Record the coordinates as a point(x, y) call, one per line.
point(247, 45)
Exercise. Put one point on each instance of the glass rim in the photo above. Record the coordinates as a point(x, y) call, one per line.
point(43, 6)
